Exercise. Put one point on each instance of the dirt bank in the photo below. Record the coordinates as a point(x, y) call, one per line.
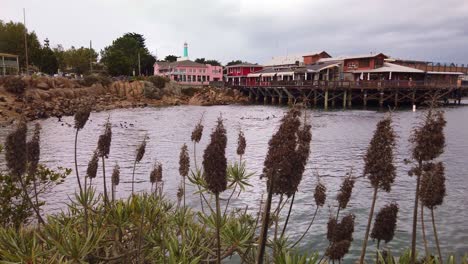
point(51, 97)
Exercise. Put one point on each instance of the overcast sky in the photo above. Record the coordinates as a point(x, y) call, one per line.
point(256, 30)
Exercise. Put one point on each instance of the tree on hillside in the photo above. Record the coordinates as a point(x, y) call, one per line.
point(211, 62)
point(12, 41)
point(200, 60)
point(170, 58)
point(59, 52)
point(234, 62)
point(48, 62)
point(121, 58)
point(78, 60)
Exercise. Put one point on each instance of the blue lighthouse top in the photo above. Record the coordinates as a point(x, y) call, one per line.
point(185, 50)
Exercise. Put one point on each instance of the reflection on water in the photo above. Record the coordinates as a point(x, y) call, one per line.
point(339, 141)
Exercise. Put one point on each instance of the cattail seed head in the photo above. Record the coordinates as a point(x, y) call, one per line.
point(91, 171)
point(156, 173)
point(214, 160)
point(16, 155)
point(346, 189)
point(241, 144)
point(141, 150)
point(184, 161)
point(116, 175)
point(104, 141)
point(379, 157)
point(34, 150)
point(331, 226)
point(81, 117)
point(180, 193)
point(338, 250)
point(385, 223)
point(432, 190)
point(197, 132)
point(288, 153)
point(320, 194)
point(340, 236)
point(428, 139)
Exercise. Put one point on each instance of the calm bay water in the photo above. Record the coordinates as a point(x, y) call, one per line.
point(339, 141)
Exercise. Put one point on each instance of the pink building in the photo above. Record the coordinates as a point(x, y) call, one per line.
point(186, 71)
point(189, 72)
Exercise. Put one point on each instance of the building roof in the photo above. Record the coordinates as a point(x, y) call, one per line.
point(390, 67)
point(286, 60)
point(391, 59)
point(319, 66)
point(8, 55)
point(244, 64)
point(316, 53)
point(363, 56)
point(184, 63)
point(270, 72)
point(448, 73)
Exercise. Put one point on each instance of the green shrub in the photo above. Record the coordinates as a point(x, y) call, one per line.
point(151, 92)
point(89, 80)
point(190, 91)
point(158, 81)
point(15, 85)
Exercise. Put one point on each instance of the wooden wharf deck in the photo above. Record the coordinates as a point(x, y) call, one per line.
point(345, 94)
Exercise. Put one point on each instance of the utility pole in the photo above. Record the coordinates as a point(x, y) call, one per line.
point(25, 41)
point(90, 56)
point(139, 64)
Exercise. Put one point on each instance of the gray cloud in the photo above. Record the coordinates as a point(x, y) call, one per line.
point(257, 30)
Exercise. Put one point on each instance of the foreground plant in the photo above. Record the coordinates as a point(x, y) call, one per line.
point(433, 193)
point(16, 156)
point(140, 153)
point(320, 196)
point(104, 144)
point(385, 224)
point(81, 117)
point(214, 166)
point(184, 166)
point(115, 179)
point(284, 165)
point(379, 168)
point(428, 141)
point(26, 179)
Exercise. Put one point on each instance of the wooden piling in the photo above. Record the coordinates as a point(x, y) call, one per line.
point(381, 99)
point(333, 99)
point(345, 98)
point(364, 97)
point(251, 96)
point(396, 98)
point(315, 97)
point(350, 98)
point(325, 103)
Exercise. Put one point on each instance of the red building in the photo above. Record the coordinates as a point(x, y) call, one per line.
point(313, 58)
point(363, 62)
point(237, 74)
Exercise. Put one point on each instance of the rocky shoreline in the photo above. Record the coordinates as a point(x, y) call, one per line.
point(45, 100)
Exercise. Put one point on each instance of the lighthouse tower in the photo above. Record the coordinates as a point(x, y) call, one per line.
point(185, 57)
point(185, 50)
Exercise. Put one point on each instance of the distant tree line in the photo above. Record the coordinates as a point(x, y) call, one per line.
point(127, 55)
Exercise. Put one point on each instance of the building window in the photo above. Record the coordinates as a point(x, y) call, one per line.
point(352, 65)
point(364, 63)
